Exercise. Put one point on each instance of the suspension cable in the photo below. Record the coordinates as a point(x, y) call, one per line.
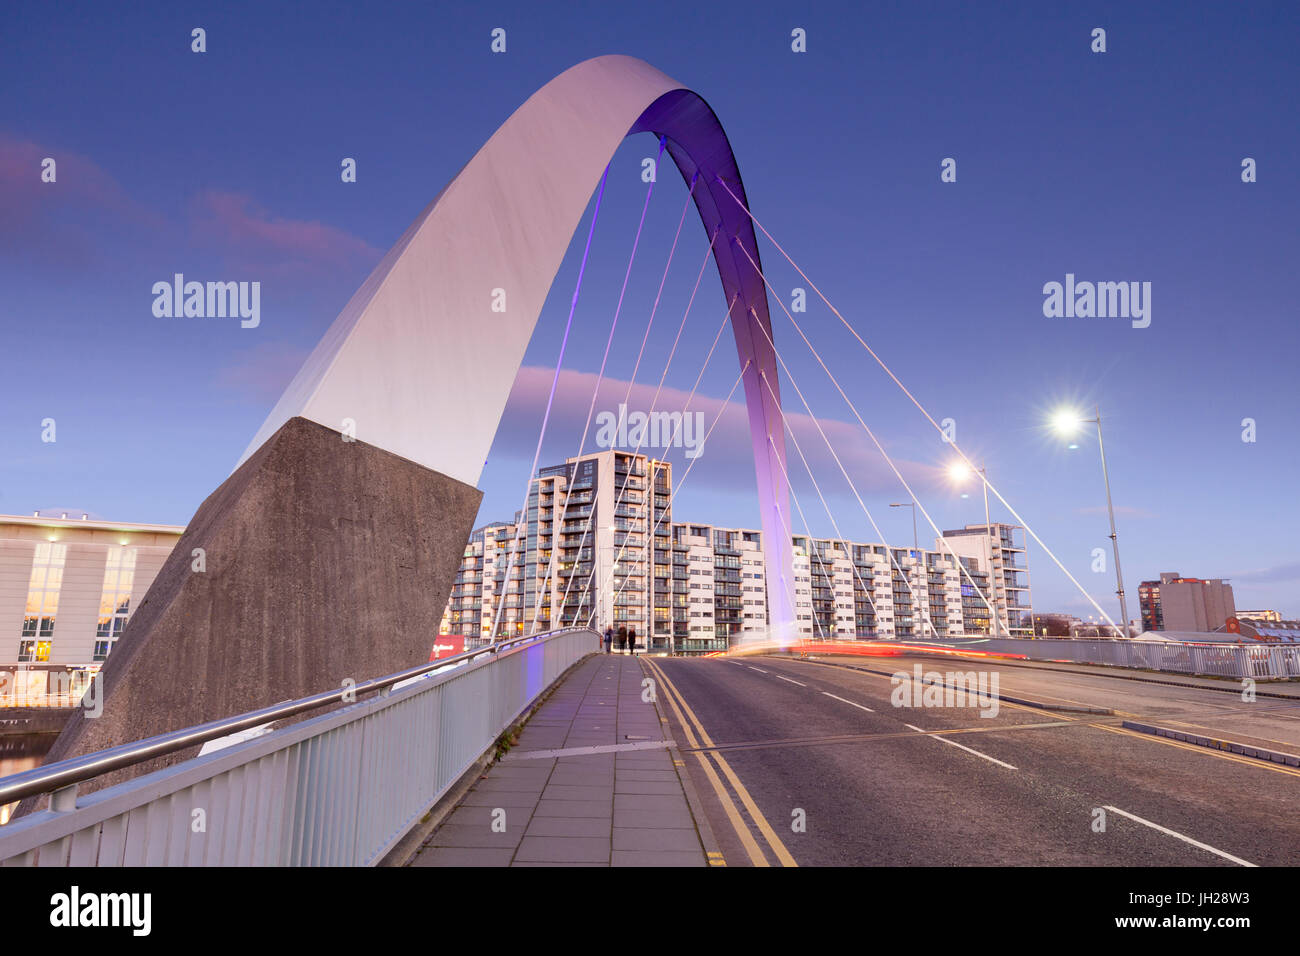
point(678, 485)
point(829, 514)
point(609, 341)
point(546, 417)
point(809, 538)
point(691, 397)
point(672, 352)
point(881, 448)
point(930, 418)
point(867, 511)
point(542, 590)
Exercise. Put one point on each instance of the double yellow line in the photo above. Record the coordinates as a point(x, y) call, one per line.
point(692, 727)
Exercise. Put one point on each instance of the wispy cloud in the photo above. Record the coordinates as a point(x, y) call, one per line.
point(59, 221)
point(79, 219)
point(1277, 574)
point(252, 236)
point(727, 459)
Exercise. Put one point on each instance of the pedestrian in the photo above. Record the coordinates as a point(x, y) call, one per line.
point(609, 638)
point(631, 640)
point(622, 637)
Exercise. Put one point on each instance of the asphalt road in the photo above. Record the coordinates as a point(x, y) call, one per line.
point(803, 762)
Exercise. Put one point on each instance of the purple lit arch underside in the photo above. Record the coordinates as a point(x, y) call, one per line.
point(698, 145)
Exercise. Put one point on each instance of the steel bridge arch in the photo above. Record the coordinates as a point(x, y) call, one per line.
point(407, 348)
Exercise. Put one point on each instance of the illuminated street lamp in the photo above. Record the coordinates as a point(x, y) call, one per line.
point(960, 472)
point(1066, 422)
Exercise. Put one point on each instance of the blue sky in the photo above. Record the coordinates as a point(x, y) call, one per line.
point(1122, 166)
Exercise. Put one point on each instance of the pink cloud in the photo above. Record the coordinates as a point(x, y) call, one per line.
point(727, 458)
point(53, 220)
point(66, 222)
point(235, 221)
point(78, 180)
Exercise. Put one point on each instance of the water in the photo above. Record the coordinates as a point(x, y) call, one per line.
point(19, 752)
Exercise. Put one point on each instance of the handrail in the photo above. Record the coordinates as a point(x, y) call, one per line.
point(65, 773)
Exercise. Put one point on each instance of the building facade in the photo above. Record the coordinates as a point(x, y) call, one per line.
point(68, 585)
point(595, 543)
point(1004, 556)
point(598, 544)
point(1270, 630)
point(1266, 616)
point(1176, 603)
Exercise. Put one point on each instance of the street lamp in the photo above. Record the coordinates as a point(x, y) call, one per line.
point(916, 546)
point(1066, 422)
point(960, 472)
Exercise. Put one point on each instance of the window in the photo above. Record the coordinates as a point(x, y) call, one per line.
point(42, 602)
point(114, 600)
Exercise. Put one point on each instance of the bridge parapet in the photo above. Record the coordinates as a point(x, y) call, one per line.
point(339, 789)
point(1255, 661)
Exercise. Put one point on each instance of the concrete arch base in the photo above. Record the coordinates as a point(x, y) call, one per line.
point(323, 560)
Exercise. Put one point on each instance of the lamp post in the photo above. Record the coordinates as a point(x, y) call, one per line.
point(1066, 422)
point(959, 472)
point(916, 546)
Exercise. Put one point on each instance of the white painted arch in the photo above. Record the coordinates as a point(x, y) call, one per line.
point(402, 360)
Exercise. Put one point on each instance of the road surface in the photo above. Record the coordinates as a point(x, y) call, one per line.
point(809, 763)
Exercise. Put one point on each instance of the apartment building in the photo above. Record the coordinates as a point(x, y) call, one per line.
point(1001, 551)
point(719, 587)
point(595, 543)
point(598, 543)
point(851, 590)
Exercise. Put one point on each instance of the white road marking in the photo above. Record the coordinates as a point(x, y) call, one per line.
point(849, 702)
point(789, 680)
point(759, 669)
point(1186, 839)
point(960, 746)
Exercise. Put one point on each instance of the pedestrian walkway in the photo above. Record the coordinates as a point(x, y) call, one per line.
point(592, 782)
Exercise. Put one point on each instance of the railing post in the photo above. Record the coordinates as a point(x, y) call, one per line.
point(64, 800)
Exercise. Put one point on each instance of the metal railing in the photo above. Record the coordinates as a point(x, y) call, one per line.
point(1258, 661)
point(338, 789)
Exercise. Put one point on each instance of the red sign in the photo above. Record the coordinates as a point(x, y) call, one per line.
point(447, 645)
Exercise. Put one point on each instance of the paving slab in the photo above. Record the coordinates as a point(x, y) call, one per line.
point(538, 806)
